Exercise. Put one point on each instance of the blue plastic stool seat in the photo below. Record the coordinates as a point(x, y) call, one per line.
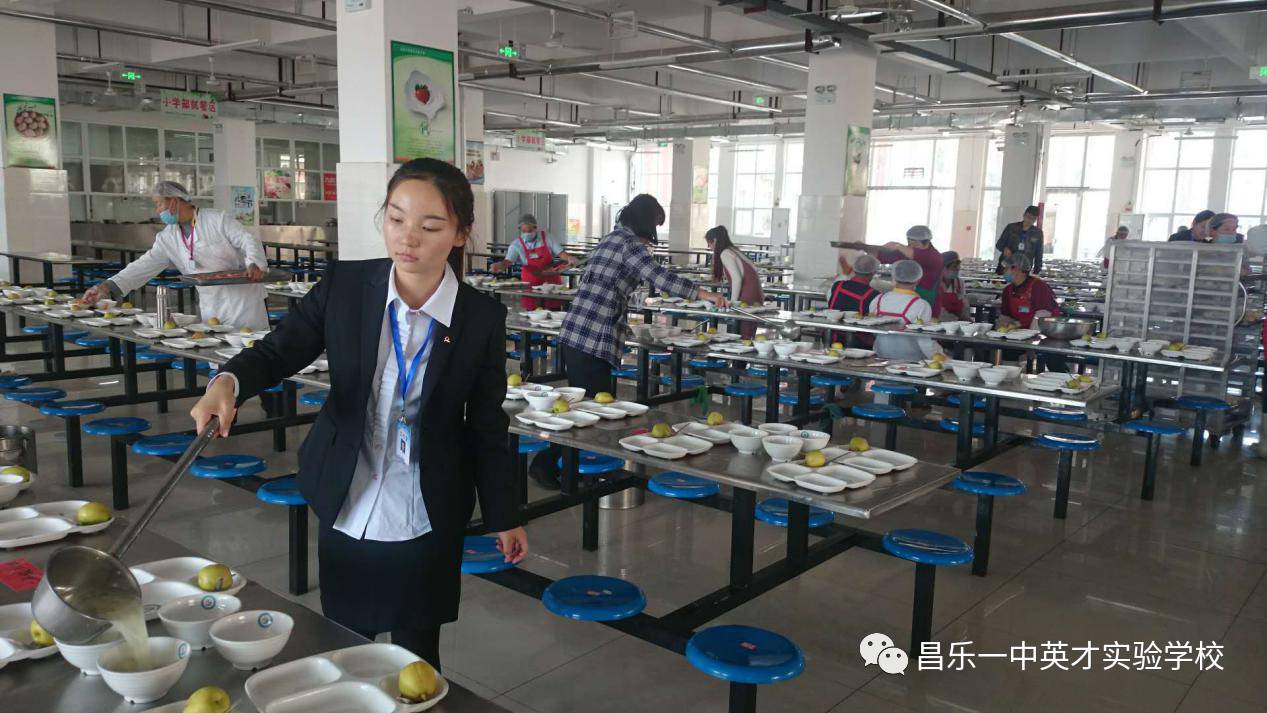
point(481, 556)
point(178, 285)
point(93, 342)
point(1202, 403)
point(528, 445)
point(894, 389)
point(157, 357)
point(116, 426)
point(315, 398)
point(596, 463)
point(67, 409)
point(790, 398)
point(774, 511)
point(745, 654)
point(927, 547)
point(13, 381)
point(280, 388)
point(682, 486)
point(35, 394)
point(534, 339)
point(1059, 414)
point(952, 425)
point(277, 313)
point(659, 357)
point(227, 466)
point(281, 491)
point(689, 381)
point(706, 364)
point(1154, 427)
point(168, 444)
point(73, 335)
point(977, 402)
point(200, 367)
point(156, 282)
point(625, 373)
point(830, 380)
point(35, 329)
point(879, 412)
point(1068, 441)
point(742, 389)
point(532, 354)
point(590, 597)
point(980, 482)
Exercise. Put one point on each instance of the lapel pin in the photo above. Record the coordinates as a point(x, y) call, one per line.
point(446, 339)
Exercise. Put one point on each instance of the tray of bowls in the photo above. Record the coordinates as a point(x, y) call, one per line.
point(1072, 384)
point(1190, 352)
point(374, 678)
point(166, 580)
point(1013, 333)
point(544, 317)
point(20, 637)
point(832, 469)
point(820, 315)
point(47, 522)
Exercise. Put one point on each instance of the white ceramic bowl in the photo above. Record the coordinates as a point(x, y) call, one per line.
point(10, 486)
point(747, 440)
point(764, 347)
point(786, 349)
point(992, 376)
point(573, 394)
point(814, 440)
point(1148, 349)
point(190, 618)
point(782, 448)
point(537, 315)
point(168, 658)
point(1012, 370)
point(250, 639)
point(966, 370)
point(541, 400)
point(238, 340)
point(777, 429)
point(182, 320)
point(84, 656)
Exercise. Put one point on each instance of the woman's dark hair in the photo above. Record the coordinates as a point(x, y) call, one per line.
point(454, 189)
point(720, 238)
point(643, 214)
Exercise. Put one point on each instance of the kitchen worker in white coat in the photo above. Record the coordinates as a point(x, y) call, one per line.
point(196, 241)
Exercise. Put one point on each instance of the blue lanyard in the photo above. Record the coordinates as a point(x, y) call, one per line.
point(405, 377)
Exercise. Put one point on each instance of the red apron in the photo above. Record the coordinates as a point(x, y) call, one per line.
point(950, 300)
point(859, 305)
point(751, 294)
point(903, 313)
point(1022, 302)
point(535, 260)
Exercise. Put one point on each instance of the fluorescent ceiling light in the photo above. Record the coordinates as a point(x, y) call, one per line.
point(635, 62)
point(532, 119)
point(1069, 60)
point(529, 95)
point(639, 112)
point(230, 46)
point(680, 93)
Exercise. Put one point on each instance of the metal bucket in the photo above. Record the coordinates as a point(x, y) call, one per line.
point(17, 447)
point(627, 499)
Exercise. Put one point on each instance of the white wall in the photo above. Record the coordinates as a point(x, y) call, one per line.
point(588, 176)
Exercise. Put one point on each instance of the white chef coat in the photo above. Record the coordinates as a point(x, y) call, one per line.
point(385, 500)
point(219, 243)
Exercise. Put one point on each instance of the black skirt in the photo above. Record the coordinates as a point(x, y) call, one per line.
point(379, 586)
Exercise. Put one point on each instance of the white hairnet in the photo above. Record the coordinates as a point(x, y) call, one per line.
point(1021, 261)
point(170, 189)
point(907, 271)
point(865, 265)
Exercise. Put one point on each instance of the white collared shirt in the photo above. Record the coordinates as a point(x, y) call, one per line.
point(384, 501)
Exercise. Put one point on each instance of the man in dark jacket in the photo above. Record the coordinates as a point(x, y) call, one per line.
point(1022, 238)
point(1199, 232)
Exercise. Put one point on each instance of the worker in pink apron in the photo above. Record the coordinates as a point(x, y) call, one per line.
point(906, 304)
point(537, 254)
point(735, 268)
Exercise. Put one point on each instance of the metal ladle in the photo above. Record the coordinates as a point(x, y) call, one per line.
point(76, 575)
point(788, 329)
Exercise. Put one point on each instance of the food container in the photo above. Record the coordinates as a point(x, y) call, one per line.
point(250, 639)
point(1065, 328)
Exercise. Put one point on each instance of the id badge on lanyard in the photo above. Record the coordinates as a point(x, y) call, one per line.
point(403, 442)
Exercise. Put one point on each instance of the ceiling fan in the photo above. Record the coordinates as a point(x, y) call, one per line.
point(556, 40)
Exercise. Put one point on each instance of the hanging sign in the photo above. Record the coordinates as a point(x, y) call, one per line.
point(189, 103)
point(329, 186)
point(424, 123)
point(530, 139)
point(30, 131)
point(279, 184)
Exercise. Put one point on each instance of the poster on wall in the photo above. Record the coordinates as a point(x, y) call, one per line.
point(279, 184)
point(574, 227)
point(30, 131)
point(857, 160)
point(180, 103)
point(530, 139)
point(329, 186)
point(424, 123)
point(699, 185)
point(475, 162)
point(243, 204)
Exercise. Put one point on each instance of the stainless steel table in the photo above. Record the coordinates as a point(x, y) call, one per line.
point(47, 260)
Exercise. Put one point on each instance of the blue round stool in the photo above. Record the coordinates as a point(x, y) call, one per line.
point(34, 395)
point(986, 486)
point(977, 402)
point(121, 431)
point(682, 486)
point(595, 463)
point(73, 335)
point(689, 381)
point(277, 314)
point(590, 597)
point(200, 367)
point(529, 445)
point(284, 491)
point(315, 398)
point(532, 354)
point(745, 393)
point(71, 412)
point(229, 465)
point(760, 372)
point(481, 556)
point(706, 364)
point(535, 338)
point(1056, 413)
point(951, 425)
point(777, 512)
point(659, 357)
point(1200, 406)
point(831, 381)
point(886, 413)
point(13, 381)
point(928, 550)
point(1154, 431)
point(627, 372)
point(789, 398)
point(1066, 443)
point(168, 444)
point(746, 657)
point(155, 357)
point(35, 329)
point(93, 342)
point(890, 389)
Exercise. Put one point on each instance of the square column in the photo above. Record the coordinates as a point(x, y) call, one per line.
point(687, 216)
point(1023, 148)
point(235, 166)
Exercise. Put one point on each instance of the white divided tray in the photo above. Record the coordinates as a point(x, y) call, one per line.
point(628, 407)
point(165, 580)
point(717, 435)
point(15, 629)
point(360, 678)
point(43, 522)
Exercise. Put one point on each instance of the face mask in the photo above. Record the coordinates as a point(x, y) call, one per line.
point(167, 217)
point(951, 274)
point(526, 236)
point(1225, 238)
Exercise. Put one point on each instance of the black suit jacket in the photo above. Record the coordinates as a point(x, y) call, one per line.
point(460, 434)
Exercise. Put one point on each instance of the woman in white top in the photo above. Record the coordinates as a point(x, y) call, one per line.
point(736, 269)
point(904, 302)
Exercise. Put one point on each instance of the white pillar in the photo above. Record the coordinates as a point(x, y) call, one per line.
point(473, 132)
point(366, 92)
point(841, 94)
point(726, 186)
point(235, 163)
point(1220, 167)
point(1127, 151)
point(969, 182)
point(1022, 158)
point(687, 218)
point(34, 207)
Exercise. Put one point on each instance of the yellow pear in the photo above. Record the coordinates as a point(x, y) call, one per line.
point(858, 444)
point(126, 305)
point(92, 514)
point(200, 335)
point(712, 330)
point(208, 699)
point(214, 321)
point(417, 681)
point(1086, 378)
point(837, 346)
point(215, 578)
point(514, 380)
point(603, 397)
point(661, 430)
point(716, 419)
point(169, 324)
point(760, 338)
point(560, 406)
point(244, 330)
point(17, 470)
point(815, 459)
point(109, 315)
point(39, 635)
point(1175, 346)
point(702, 337)
point(746, 342)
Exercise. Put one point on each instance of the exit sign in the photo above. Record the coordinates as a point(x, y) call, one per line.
point(130, 76)
point(759, 100)
point(1258, 73)
point(509, 51)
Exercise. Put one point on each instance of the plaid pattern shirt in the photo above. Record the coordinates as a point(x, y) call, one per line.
point(595, 322)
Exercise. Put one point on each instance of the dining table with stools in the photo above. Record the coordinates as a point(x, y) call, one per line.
point(47, 261)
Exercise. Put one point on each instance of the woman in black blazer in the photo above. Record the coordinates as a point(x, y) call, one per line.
point(413, 426)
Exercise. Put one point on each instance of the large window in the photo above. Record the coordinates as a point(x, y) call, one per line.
point(912, 183)
point(1076, 208)
point(755, 169)
point(652, 172)
point(714, 167)
point(989, 230)
point(1176, 182)
point(1247, 191)
point(789, 196)
point(292, 179)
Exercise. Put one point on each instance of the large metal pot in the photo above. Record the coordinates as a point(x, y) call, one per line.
point(1065, 328)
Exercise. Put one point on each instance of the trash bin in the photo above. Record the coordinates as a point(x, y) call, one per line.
point(627, 499)
point(17, 447)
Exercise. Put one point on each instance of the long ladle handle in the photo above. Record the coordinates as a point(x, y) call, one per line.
point(129, 535)
point(757, 317)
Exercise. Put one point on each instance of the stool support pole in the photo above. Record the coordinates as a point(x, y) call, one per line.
point(1198, 437)
point(1063, 474)
point(1150, 466)
point(745, 410)
point(743, 698)
point(743, 509)
point(160, 380)
point(981, 544)
point(74, 453)
point(922, 611)
point(298, 549)
point(119, 471)
point(890, 436)
point(797, 531)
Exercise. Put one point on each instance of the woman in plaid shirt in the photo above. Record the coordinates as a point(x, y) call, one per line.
point(593, 331)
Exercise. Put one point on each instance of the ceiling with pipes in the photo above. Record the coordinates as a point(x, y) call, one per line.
point(625, 70)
